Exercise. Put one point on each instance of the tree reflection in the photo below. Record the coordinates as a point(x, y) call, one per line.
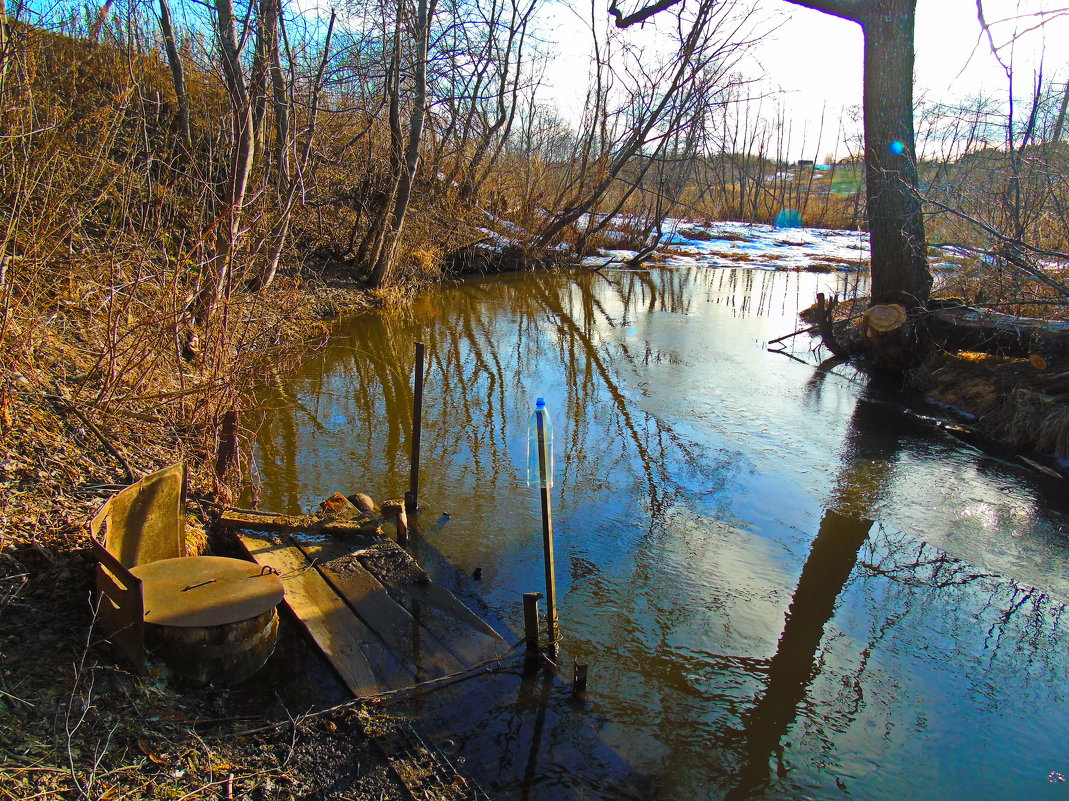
point(482, 357)
point(844, 547)
point(635, 477)
point(868, 456)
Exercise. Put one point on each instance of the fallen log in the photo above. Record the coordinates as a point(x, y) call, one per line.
point(1042, 342)
point(1054, 382)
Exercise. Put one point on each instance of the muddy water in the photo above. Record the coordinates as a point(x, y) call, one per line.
point(785, 587)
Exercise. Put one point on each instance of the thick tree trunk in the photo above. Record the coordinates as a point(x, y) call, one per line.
point(899, 254)
point(896, 228)
point(892, 335)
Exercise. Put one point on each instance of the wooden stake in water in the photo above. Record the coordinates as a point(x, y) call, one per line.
point(412, 496)
point(547, 537)
point(530, 624)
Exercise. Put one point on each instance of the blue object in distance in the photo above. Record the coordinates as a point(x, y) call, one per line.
point(789, 218)
point(897, 147)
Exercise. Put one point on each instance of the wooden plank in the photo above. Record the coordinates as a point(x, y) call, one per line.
point(254, 520)
point(358, 655)
point(416, 646)
point(469, 636)
point(264, 521)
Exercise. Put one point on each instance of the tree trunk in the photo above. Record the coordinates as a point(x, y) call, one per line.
point(267, 18)
point(174, 61)
point(98, 23)
point(227, 226)
point(288, 187)
point(1059, 123)
point(896, 228)
point(383, 270)
point(5, 43)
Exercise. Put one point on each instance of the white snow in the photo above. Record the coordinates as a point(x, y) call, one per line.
point(747, 245)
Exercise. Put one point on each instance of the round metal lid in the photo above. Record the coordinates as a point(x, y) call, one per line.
point(196, 591)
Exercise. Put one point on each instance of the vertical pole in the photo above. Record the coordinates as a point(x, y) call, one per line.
point(579, 682)
point(412, 496)
point(530, 624)
point(547, 537)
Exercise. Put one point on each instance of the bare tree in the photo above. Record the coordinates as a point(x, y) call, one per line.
point(711, 45)
point(174, 62)
point(899, 253)
point(404, 150)
point(243, 132)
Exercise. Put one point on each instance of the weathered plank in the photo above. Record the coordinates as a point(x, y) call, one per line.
point(417, 647)
point(254, 520)
point(469, 636)
point(358, 655)
point(263, 521)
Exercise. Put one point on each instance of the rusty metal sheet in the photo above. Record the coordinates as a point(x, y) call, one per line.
point(201, 591)
point(146, 522)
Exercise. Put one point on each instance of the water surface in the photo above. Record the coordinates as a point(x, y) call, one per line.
point(785, 586)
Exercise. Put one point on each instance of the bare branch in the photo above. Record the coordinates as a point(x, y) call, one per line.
point(852, 10)
point(641, 15)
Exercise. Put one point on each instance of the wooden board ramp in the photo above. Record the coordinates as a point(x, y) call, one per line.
point(350, 646)
point(416, 646)
point(369, 607)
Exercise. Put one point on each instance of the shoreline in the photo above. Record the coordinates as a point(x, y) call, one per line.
point(60, 462)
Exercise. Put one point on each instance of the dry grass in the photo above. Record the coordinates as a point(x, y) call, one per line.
point(106, 375)
point(1033, 421)
point(1001, 396)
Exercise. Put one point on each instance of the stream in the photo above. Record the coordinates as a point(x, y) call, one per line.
point(785, 585)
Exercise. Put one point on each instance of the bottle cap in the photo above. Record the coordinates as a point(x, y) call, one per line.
point(540, 403)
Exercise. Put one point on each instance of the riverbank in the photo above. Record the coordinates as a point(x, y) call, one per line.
point(74, 430)
point(1000, 403)
point(73, 721)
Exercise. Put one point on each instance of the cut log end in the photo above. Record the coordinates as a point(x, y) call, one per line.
point(888, 317)
point(1044, 354)
point(1038, 361)
point(890, 336)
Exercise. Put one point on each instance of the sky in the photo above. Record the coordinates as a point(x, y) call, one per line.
point(816, 59)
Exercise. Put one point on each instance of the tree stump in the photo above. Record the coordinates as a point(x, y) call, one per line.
point(886, 329)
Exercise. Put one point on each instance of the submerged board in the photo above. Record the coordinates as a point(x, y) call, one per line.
point(416, 646)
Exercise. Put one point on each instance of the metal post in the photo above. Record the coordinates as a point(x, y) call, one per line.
point(547, 538)
point(579, 681)
point(530, 623)
point(412, 496)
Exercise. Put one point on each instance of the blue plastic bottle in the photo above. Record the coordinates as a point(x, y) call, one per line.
point(534, 475)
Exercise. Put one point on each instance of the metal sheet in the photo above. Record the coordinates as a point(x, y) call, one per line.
point(146, 521)
point(206, 591)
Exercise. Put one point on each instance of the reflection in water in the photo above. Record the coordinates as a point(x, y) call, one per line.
point(870, 450)
point(705, 487)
